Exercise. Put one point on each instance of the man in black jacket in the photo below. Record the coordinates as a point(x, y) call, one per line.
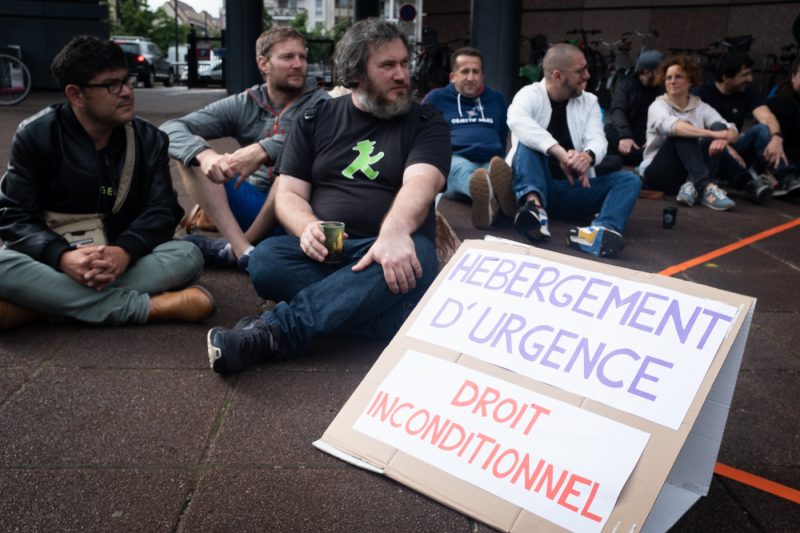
point(71, 158)
point(632, 97)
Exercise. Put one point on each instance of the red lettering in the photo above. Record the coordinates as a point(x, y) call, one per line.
point(467, 386)
point(483, 438)
point(454, 427)
point(514, 407)
point(525, 468)
point(466, 444)
point(569, 490)
point(491, 456)
point(421, 412)
point(585, 511)
point(434, 427)
point(539, 410)
point(380, 403)
point(552, 491)
point(483, 402)
point(395, 410)
point(495, 469)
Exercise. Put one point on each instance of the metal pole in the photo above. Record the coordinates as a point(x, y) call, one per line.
point(177, 38)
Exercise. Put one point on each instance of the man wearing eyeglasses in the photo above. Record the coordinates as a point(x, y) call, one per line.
point(557, 138)
point(233, 189)
point(76, 158)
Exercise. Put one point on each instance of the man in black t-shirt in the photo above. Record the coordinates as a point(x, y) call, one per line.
point(761, 146)
point(373, 160)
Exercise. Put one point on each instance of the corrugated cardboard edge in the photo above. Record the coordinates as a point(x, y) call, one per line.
point(646, 488)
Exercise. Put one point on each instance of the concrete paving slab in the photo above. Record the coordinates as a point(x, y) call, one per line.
point(275, 415)
point(716, 512)
point(764, 351)
point(782, 327)
point(31, 344)
point(11, 379)
point(770, 512)
point(764, 404)
point(110, 417)
point(312, 500)
point(161, 346)
point(92, 499)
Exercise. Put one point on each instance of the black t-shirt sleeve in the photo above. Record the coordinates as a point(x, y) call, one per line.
point(432, 142)
point(297, 155)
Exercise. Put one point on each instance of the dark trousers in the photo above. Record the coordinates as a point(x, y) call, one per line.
point(683, 159)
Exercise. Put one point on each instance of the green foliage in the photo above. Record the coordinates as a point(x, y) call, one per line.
point(163, 31)
point(134, 18)
point(266, 20)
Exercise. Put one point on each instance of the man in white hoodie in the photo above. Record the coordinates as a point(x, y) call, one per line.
point(557, 138)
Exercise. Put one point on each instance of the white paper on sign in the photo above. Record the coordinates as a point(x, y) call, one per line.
point(558, 461)
point(640, 348)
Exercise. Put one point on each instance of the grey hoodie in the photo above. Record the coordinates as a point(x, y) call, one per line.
point(248, 117)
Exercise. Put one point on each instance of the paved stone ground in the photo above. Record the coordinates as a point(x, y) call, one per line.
point(126, 429)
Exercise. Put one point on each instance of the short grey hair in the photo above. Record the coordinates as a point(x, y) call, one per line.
point(353, 49)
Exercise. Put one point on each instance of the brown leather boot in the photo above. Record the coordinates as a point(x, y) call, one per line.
point(12, 315)
point(191, 304)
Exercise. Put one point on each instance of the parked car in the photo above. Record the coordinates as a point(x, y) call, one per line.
point(146, 60)
point(209, 72)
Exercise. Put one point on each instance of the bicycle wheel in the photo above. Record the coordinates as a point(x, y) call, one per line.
point(15, 80)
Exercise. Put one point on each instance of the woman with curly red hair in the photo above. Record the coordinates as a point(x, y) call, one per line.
point(685, 139)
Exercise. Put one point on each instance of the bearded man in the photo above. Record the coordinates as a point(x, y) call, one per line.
point(557, 138)
point(374, 160)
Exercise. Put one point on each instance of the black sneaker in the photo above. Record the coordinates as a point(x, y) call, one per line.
point(531, 221)
point(758, 189)
point(596, 240)
point(213, 250)
point(788, 187)
point(252, 340)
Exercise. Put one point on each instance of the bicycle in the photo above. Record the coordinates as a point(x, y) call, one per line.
point(431, 65)
point(15, 78)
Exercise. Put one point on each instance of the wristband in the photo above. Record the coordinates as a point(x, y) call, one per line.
point(591, 154)
point(776, 134)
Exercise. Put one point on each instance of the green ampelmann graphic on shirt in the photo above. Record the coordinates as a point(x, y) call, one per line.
point(363, 161)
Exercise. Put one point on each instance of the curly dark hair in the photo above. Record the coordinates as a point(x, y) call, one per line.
point(83, 58)
point(684, 61)
point(353, 49)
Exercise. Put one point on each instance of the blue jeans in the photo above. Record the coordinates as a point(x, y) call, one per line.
point(611, 196)
point(751, 147)
point(317, 298)
point(461, 169)
point(245, 202)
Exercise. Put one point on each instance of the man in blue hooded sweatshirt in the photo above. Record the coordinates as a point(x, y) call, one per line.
point(476, 116)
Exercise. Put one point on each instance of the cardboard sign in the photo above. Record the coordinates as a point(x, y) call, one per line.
point(537, 391)
point(547, 456)
point(633, 346)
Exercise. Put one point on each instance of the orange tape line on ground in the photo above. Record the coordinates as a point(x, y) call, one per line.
point(788, 493)
point(674, 269)
point(765, 485)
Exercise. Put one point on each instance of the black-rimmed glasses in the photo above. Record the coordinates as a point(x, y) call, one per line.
point(115, 86)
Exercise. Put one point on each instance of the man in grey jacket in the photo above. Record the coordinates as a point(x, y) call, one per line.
point(234, 189)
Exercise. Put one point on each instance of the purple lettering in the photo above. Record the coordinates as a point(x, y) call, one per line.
point(642, 374)
point(519, 277)
point(555, 348)
point(567, 296)
point(642, 310)
point(586, 295)
point(601, 375)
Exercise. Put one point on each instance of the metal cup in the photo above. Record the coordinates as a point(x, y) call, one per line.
point(669, 217)
point(334, 240)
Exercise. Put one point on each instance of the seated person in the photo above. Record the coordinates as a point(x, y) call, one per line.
point(557, 137)
point(476, 115)
point(685, 139)
point(786, 108)
point(78, 158)
point(758, 148)
point(374, 160)
point(233, 189)
point(633, 94)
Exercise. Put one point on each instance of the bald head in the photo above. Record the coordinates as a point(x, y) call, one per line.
point(559, 57)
